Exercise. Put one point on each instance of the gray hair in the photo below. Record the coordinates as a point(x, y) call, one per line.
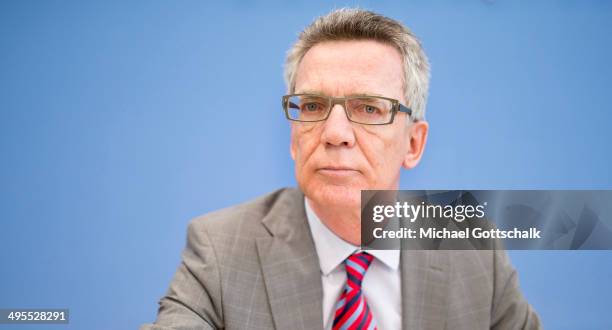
point(359, 24)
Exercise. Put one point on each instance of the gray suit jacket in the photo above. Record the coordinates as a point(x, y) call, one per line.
point(254, 266)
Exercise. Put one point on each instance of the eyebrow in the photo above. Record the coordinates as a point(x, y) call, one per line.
point(312, 91)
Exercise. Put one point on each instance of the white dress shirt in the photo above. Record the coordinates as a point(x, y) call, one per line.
point(380, 285)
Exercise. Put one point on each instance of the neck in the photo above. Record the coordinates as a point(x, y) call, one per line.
point(343, 221)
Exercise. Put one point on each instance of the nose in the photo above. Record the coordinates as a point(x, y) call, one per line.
point(337, 129)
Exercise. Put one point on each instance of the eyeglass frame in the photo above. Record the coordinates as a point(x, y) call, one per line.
point(396, 107)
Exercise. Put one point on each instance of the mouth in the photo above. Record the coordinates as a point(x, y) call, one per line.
point(337, 171)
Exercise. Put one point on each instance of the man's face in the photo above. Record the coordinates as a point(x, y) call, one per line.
point(336, 159)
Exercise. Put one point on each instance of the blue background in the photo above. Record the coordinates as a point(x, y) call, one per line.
point(119, 122)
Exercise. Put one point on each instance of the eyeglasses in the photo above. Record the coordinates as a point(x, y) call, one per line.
point(367, 110)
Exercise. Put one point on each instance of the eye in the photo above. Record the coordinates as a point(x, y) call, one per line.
point(370, 109)
point(311, 107)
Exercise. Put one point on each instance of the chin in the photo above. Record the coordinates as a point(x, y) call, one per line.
point(336, 196)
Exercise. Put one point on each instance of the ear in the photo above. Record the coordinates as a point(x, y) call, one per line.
point(417, 137)
point(292, 143)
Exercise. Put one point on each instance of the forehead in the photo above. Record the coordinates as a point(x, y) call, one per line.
point(340, 68)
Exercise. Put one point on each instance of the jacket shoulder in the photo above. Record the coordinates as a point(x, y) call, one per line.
point(244, 218)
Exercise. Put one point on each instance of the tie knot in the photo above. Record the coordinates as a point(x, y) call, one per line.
point(356, 266)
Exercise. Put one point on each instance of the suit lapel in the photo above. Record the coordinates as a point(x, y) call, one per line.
point(292, 275)
point(425, 284)
point(290, 266)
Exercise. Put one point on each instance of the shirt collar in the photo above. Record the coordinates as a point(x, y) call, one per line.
point(332, 250)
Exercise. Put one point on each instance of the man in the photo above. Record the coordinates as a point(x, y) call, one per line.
point(357, 86)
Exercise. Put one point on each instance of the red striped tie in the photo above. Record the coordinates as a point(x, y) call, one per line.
point(352, 311)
